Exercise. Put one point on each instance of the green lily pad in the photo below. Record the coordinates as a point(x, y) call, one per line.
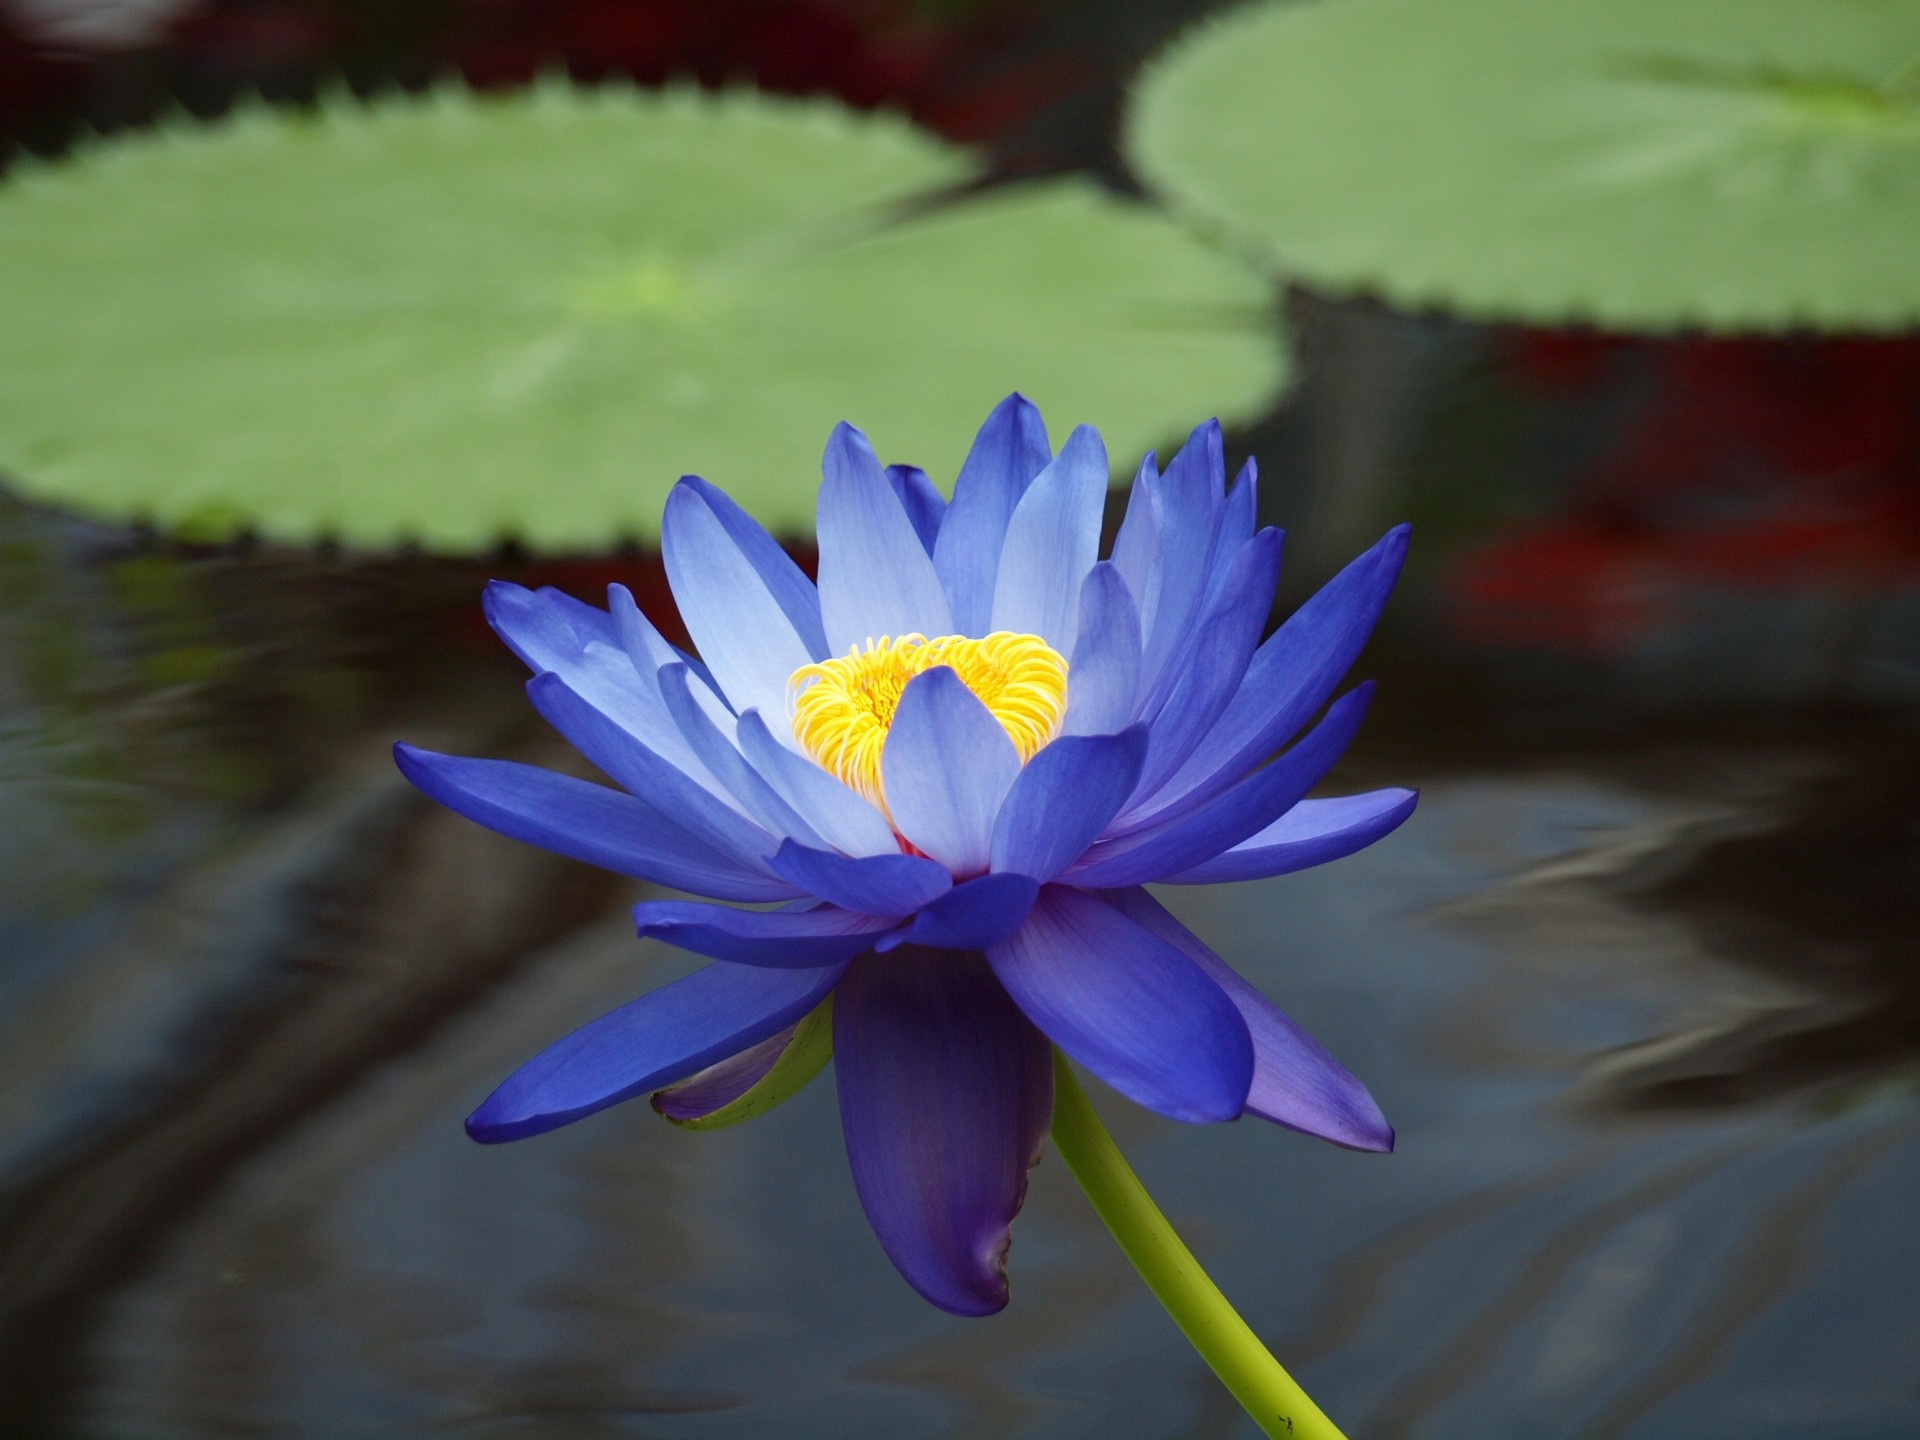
point(456, 319)
point(1640, 164)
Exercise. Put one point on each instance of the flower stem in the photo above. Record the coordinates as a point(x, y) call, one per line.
point(1271, 1396)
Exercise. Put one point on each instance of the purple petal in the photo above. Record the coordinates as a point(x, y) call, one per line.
point(875, 577)
point(1311, 833)
point(975, 915)
point(925, 506)
point(946, 1092)
point(736, 622)
point(1010, 450)
point(1063, 800)
point(1187, 502)
point(1291, 676)
point(785, 939)
point(1295, 1082)
point(589, 822)
point(946, 765)
point(663, 1036)
point(1255, 803)
point(642, 772)
point(871, 884)
point(1103, 686)
point(1129, 1006)
point(724, 1081)
point(1052, 542)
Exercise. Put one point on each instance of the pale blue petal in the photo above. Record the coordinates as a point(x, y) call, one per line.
point(875, 577)
point(736, 622)
point(946, 768)
point(717, 751)
point(785, 581)
point(1010, 450)
point(1052, 542)
point(1103, 674)
point(842, 816)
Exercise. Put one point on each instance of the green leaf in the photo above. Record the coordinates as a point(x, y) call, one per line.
point(805, 1055)
point(1640, 164)
point(457, 319)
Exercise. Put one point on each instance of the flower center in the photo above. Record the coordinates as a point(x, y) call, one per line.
point(843, 708)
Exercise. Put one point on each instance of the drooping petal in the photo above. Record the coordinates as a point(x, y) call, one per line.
point(1295, 1082)
point(844, 817)
point(1248, 808)
point(736, 621)
point(642, 772)
point(1311, 833)
point(946, 766)
point(1291, 675)
point(1010, 450)
point(785, 581)
point(946, 1092)
point(1052, 542)
point(975, 915)
point(756, 1080)
point(1063, 799)
point(663, 1036)
point(925, 506)
point(1204, 679)
point(873, 884)
point(724, 761)
point(1103, 689)
point(784, 939)
point(875, 577)
point(589, 822)
point(1129, 1006)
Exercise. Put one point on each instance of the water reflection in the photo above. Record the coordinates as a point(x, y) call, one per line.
point(1636, 994)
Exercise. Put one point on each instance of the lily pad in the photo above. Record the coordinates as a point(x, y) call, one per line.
point(1639, 164)
point(455, 319)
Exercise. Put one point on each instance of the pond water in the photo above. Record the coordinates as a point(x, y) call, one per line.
point(1637, 983)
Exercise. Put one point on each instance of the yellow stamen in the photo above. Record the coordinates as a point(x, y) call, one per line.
point(843, 708)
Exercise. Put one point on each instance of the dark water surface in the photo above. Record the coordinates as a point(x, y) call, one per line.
point(1638, 989)
point(1638, 983)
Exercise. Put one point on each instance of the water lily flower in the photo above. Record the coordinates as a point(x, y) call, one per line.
point(950, 766)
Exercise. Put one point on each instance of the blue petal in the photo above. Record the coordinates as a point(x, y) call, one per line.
point(975, 915)
point(1295, 1082)
point(875, 578)
point(546, 628)
point(1291, 675)
point(735, 620)
point(1136, 549)
point(589, 822)
point(1010, 450)
point(873, 884)
point(1256, 802)
point(1103, 674)
point(1311, 833)
point(1052, 542)
point(1186, 505)
point(1234, 527)
point(785, 581)
point(663, 1036)
point(723, 760)
point(946, 1092)
point(642, 772)
point(1064, 799)
point(786, 939)
point(1130, 1007)
point(925, 506)
point(1207, 675)
point(946, 768)
point(844, 817)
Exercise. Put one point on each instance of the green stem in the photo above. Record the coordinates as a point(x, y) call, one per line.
point(1277, 1404)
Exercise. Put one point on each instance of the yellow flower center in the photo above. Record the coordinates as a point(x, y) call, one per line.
point(843, 708)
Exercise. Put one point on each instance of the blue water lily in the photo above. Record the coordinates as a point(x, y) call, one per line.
point(951, 765)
